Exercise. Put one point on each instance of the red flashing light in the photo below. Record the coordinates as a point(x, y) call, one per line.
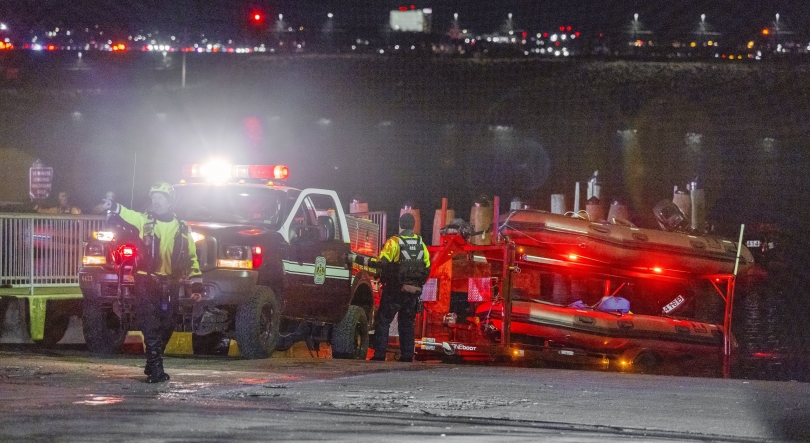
point(556, 43)
point(257, 257)
point(562, 28)
point(413, 6)
point(567, 28)
point(127, 251)
point(257, 17)
point(403, 8)
point(545, 35)
point(576, 34)
point(224, 172)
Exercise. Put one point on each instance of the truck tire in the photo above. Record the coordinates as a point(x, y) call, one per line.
point(257, 323)
point(350, 336)
point(102, 328)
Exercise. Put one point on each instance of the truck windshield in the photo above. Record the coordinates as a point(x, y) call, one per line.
point(230, 204)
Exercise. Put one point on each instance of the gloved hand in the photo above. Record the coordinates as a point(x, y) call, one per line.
point(110, 205)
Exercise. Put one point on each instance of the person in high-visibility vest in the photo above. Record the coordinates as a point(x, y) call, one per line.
point(405, 265)
point(167, 259)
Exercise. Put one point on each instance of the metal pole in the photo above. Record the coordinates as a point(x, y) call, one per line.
point(509, 266)
point(496, 203)
point(31, 256)
point(732, 283)
point(443, 218)
point(183, 73)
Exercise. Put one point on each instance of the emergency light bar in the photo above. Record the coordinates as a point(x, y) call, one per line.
point(219, 171)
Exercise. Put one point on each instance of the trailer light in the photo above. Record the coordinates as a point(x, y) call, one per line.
point(196, 236)
point(657, 270)
point(518, 353)
point(104, 235)
point(572, 257)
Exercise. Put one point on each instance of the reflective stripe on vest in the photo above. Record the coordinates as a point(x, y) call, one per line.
point(411, 247)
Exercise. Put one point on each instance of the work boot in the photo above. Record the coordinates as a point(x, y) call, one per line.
point(158, 377)
point(154, 367)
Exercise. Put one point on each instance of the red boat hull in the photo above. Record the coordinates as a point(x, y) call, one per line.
point(611, 334)
point(624, 246)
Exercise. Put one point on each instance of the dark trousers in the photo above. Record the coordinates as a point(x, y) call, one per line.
point(154, 309)
point(403, 304)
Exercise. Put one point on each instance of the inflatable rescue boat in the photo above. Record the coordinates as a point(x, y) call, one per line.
point(624, 245)
point(612, 334)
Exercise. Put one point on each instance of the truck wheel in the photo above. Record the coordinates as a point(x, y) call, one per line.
point(102, 328)
point(257, 323)
point(350, 336)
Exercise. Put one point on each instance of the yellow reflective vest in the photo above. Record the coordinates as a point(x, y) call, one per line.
point(166, 232)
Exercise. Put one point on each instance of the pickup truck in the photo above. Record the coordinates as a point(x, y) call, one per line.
point(277, 266)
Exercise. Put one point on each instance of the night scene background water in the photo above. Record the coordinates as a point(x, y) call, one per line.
point(391, 129)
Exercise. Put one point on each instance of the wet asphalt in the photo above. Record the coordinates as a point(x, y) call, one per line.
point(67, 395)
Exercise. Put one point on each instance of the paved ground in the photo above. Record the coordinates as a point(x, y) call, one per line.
point(67, 395)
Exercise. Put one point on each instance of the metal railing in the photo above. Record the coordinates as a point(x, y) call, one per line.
point(43, 250)
point(380, 219)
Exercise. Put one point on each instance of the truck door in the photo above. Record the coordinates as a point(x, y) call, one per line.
point(316, 277)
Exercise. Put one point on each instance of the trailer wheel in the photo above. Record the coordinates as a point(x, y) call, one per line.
point(257, 323)
point(350, 336)
point(103, 332)
point(646, 362)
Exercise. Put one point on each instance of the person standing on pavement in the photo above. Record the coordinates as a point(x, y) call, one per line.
point(405, 266)
point(167, 260)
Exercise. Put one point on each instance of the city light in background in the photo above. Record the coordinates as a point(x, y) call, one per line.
point(424, 29)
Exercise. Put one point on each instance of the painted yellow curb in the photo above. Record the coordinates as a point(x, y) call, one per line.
point(179, 344)
point(233, 349)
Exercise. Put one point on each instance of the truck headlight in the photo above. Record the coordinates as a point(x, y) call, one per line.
point(238, 257)
point(94, 255)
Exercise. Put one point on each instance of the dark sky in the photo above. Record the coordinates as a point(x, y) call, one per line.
point(665, 17)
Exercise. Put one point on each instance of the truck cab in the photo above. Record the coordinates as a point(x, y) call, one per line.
point(276, 265)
